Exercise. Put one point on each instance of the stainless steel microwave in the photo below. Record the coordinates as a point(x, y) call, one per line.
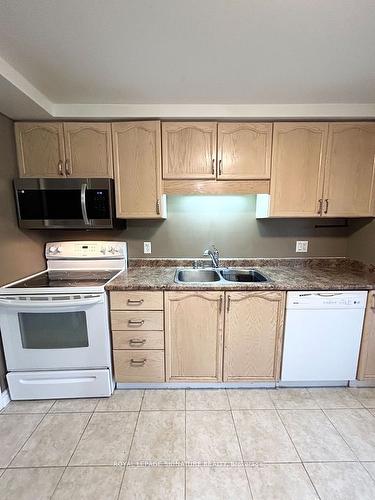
point(65, 203)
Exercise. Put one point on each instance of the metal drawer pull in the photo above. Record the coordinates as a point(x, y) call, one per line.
point(60, 167)
point(136, 322)
point(138, 362)
point(213, 166)
point(68, 168)
point(135, 302)
point(137, 341)
point(326, 208)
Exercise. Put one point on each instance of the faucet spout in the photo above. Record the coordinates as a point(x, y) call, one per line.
point(213, 253)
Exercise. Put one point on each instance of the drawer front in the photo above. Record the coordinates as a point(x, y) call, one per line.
point(139, 366)
point(147, 301)
point(134, 340)
point(137, 320)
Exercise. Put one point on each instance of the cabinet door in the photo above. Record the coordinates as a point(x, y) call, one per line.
point(194, 335)
point(40, 149)
point(189, 150)
point(349, 178)
point(253, 335)
point(297, 169)
point(366, 366)
point(88, 148)
point(137, 168)
point(244, 150)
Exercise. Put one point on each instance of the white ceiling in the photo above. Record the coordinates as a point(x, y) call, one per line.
point(82, 57)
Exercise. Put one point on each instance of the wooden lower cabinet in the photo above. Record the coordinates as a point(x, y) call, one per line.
point(366, 365)
point(138, 365)
point(194, 335)
point(253, 335)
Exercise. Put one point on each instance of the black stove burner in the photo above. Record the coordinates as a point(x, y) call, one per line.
point(58, 279)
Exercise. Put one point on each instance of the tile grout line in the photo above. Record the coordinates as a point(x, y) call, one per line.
point(27, 439)
point(240, 447)
point(340, 434)
point(295, 447)
point(76, 446)
point(130, 446)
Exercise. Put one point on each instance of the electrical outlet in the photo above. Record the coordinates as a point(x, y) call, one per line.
point(302, 246)
point(147, 247)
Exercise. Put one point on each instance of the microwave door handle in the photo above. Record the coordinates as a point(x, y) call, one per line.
point(83, 204)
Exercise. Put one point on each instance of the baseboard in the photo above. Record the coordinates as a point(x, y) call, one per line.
point(4, 399)
point(197, 385)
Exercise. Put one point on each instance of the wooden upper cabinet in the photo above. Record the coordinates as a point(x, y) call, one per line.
point(244, 151)
point(366, 366)
point(297, 169)
point(88, 148)
point(350, 169)
point(40, 149)
point(253, 335)
point(137, 170)
point(189, 150)
point(194, 335)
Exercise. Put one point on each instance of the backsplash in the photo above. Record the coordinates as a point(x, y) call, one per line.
point(229, 222)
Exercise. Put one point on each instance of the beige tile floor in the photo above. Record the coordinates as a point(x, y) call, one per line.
point(196, 444)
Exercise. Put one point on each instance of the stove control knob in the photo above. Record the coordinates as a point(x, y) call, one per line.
point(58, 249)
point(52, 250)
point(113, 250)
point(102, 250)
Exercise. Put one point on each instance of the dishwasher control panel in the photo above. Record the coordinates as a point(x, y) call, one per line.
point(326, 300)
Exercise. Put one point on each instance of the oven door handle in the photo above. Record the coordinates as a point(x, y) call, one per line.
point(83, 204)
point(71, 300)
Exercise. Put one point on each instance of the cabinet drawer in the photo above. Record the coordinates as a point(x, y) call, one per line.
point(139, 366)
point(137, 320)
point(134, 340)
point(151, 301)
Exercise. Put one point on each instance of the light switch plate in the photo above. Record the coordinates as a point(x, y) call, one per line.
point(147, 247)
point(302, 246)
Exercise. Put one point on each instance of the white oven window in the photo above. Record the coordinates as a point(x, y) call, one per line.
point(63, 330)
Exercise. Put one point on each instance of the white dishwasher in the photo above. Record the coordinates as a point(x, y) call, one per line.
point(322, 337)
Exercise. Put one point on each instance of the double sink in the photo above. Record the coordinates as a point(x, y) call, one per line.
point(219, 275)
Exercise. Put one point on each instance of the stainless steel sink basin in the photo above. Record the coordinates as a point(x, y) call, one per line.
point(223, 276)
point(243, 275)
point(197, 276)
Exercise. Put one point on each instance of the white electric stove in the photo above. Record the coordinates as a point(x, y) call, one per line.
point(55, 325)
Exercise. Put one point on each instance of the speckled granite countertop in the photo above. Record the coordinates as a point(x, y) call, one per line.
point(284, 274)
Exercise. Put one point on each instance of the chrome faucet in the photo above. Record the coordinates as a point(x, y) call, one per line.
point(213, 252)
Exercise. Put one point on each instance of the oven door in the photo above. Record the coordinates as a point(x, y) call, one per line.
point(52, 332)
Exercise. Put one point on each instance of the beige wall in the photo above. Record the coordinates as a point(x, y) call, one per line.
point(361, 244)
point(21, 253)
point(228, 221)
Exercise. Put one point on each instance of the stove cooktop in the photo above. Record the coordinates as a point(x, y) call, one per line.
point(58, 279)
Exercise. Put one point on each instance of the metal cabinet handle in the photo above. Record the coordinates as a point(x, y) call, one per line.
point(68, 168)
point(213, 166)
point(60, 167)
point(220, 167)
point(373, 302)
point(135, 302)
point(326, 208)
point(221, 303)
point(137, 341)
point(138, 362)
point(320, 206)
point(228, 303)
point(136, 322)
point(158, 207)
